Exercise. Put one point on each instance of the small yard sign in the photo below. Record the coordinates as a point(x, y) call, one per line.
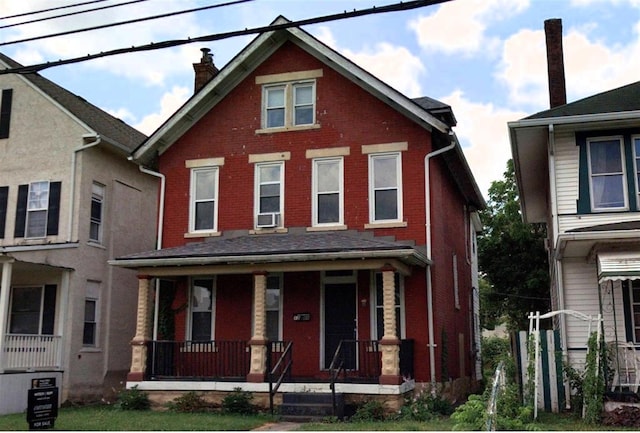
point(42, 403)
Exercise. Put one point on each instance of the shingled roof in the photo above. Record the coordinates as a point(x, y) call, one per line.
point(106, 125)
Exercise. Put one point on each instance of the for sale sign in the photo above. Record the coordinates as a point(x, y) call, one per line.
point(42, 403)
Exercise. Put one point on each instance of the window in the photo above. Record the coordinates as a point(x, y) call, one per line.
point(327, 180)
point(633, 310)
point(38, 208)
point(204, 203)
point(269, 194)
point(377, 295)
point(90, 319)
point(5, 112)
point(606, 171)
point(32, 310)
point(274, 307)
point(385, 187)
point(636, 161)
point(201, 309)
point(289, 104)
point(95, 224)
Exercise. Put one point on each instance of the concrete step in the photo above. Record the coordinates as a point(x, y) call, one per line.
point(303, 406)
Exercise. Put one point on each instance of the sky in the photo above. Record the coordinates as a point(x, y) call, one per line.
point(484, 58)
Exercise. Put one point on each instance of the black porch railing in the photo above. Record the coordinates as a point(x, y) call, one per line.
point(279, 362)
point(221, 360)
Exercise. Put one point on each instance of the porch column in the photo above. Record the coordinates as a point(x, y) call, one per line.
point(5, 288)
point(389, 344)
point(258, 343)
point(138, 344)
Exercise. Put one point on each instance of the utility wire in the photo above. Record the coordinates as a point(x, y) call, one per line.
point(137, 20)
point(71, 13)
point(51, 9)
point(219, 36)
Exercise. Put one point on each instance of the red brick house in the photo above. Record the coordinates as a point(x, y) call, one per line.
point(293, 235)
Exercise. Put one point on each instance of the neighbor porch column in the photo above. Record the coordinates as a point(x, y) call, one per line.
point(5, 288)
point(258, 343)
point(139, 342)
point(389, 344)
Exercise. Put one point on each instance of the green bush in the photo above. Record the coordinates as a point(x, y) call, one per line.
point(189, 403)
point(239, 402)
point(132, 399)
point(424, 407)
point(494, 350)
point(371, 410)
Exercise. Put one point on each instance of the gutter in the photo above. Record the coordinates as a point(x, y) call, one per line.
point(582, 118)
point(427, 209)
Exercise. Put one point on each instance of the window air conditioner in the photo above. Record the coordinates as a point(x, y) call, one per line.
point(267, 220)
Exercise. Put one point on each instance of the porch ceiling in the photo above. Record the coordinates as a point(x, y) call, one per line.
point(288, 250)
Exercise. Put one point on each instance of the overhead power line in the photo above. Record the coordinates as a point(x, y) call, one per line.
point(137, 20)
point(37, 20)
point(219, 36)
point(51, 9)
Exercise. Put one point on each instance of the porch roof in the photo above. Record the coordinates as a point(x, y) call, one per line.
point(618, 266)
point(279, 247)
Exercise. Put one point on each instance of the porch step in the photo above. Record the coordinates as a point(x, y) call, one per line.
point(307, 406)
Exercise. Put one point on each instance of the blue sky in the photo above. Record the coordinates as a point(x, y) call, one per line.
point(485, 58)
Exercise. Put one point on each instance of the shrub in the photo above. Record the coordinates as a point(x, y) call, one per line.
point(189, 403)
point(494, 350)
point(133, 399)
point(371, 410)
point(424, 407)
point(238, 401)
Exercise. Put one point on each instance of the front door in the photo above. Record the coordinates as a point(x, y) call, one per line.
point(339, 321)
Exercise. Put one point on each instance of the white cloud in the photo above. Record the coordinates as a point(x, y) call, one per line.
point(482, 131)
point(169, 103)
point(459, 26)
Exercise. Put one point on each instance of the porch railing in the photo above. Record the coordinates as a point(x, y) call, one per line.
point(282, 353)
point(31, 352)
point(222, 360)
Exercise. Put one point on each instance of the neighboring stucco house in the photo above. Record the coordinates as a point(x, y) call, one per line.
point(578, 170)
point(295, 228)
point(69, 201)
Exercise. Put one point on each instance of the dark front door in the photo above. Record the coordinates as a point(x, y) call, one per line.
point(339, 321)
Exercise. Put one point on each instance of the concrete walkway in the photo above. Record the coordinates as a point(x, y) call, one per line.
point(278, 426)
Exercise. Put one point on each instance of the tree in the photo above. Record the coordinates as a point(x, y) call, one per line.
point(512, 259)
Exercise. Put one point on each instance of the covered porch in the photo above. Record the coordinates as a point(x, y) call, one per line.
point(309, 311)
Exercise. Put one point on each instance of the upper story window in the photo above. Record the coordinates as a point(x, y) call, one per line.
point(328, 195)
point(96, 219)
point(204, 199)
point(269, 194)
point(385, 187)
point(607, 174)
point(289, 104)
point(37, 210)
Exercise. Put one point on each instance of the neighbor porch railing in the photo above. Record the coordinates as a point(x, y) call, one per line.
point(222, 360)
point(30, 352)
point(279, 362)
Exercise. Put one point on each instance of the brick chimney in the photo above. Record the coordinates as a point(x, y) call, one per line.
point(205, 70)
point(555, 62)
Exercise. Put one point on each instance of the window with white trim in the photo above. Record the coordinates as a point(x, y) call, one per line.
point(37, 206)
point(385, 187)
point(328, 198)
point(378, 305)
point(289, 104)
point(269, 194)
point(96, 218)
point(636, 162)
point(201, 309)
point(204, 200)
point(273, 307)
point(607, 173)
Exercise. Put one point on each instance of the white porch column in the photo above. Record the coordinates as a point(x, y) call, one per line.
point(389, 344)
point(5, 288)
point(258, 343)
point(138, 344)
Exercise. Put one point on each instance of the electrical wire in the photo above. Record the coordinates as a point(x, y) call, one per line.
point(137, 20)
point(219, 36)
point(51, 9)
point(71, 14)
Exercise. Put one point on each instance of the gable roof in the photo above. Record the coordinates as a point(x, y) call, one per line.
point(625, 98)
point(253, 55)
point(112, 129)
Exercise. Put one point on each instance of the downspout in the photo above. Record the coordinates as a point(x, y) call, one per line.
point(427, 209)
point(158, 240)
point(94, 143)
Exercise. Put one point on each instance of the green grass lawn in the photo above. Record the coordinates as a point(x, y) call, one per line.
point(106, 418)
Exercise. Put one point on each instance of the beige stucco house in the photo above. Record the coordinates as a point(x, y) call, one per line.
point(69, 198)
